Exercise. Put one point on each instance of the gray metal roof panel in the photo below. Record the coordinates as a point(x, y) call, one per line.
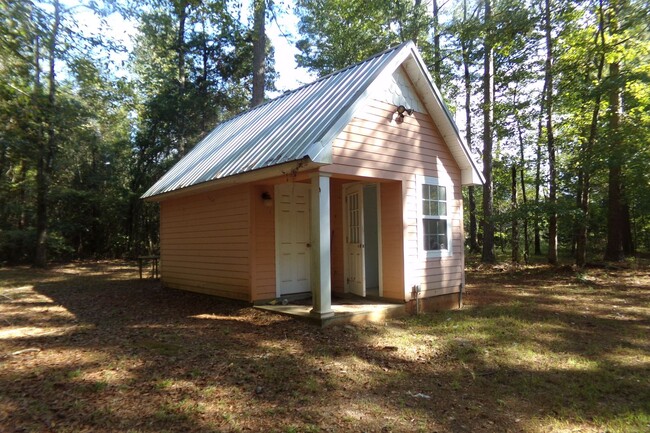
point(278, 131)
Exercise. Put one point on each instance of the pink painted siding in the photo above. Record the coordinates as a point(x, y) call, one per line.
point(375, 145)
point(338, 234)
point(204, 243)
point(392, 240)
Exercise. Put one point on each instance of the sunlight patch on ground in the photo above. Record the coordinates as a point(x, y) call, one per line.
point(25, 313)
point(9, 333)
point(630, 357)
point(14, 292)
point(406, 345)
point(106, 377)
point(555, 425)
point(219, 317)
point(278, 347)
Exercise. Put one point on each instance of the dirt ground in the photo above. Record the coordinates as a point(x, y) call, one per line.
point(88, 347)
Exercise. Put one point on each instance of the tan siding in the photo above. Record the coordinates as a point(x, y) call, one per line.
point(338, 235)
point(392, 240)
point(263, 245)
point(205, 243)
point(375, 145)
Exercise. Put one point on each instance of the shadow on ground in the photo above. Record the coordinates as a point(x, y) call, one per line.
point(534, 351)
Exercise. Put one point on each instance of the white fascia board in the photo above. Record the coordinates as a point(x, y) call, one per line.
point(432, 99)
point(238, 179)
point(322, 151)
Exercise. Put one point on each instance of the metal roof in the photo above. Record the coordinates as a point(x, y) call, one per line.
point(299, 124)
point(284, 129)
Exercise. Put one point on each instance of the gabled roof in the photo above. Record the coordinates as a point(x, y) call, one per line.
point(301, 125)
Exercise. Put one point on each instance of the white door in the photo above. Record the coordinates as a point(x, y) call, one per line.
point(292, 238)
point(354, 240)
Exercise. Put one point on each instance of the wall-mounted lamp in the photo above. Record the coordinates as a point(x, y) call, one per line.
point(402, 109)
point(266, 199)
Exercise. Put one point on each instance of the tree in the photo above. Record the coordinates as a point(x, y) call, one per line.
point(615, 206)
point(46, 148)
point(595, 58)
point(184, 91)
point(488, 254)
point(59, 116)
point(338, 33)
point(259, 51)
point(550, 139)
point(465, 27)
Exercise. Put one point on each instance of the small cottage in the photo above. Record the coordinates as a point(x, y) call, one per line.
point(350, 184)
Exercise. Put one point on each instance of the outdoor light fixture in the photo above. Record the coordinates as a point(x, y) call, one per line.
point(402, 109)
point(266, 198)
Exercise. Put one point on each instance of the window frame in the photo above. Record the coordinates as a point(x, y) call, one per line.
point(449, 191)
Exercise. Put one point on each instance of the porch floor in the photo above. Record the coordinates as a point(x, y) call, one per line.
point(347, 309)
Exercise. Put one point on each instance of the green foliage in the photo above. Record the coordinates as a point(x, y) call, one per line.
point(112, 137)
point(104, 139)
point(187, 83)
point(338, 33)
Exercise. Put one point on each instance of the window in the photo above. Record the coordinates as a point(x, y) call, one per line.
point(434, 217)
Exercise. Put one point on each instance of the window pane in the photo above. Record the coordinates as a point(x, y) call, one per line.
point(442, 237)
point(435, 234)
point(434, 204)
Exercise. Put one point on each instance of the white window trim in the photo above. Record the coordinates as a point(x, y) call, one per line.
point(428, 180)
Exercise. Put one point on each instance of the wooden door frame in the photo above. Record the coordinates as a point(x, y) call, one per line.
point(345, 230)
point(276, 213)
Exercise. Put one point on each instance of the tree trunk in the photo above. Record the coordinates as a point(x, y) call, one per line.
point(437, 55)
point(615, 220)
point(259, 52)
point(488, 255)
point(180, 51)
point(467, 78)
point(513, 210)
point(180, 43)
point(538, 174)
point(550, 139)
point(473, 223)
point(205, 57)
point(583, 221)
point(586, 157)
point(537, 239)
point(522, 161)
point(46, 149)
point(626, 230)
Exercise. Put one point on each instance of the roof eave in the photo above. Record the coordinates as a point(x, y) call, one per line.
point(303, 164)
point(433, 101)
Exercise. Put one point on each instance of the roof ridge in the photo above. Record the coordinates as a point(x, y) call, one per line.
point(340, 71)
point(396, 47)
point(303, 122)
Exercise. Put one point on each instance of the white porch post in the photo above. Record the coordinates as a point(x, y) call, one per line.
point(320, 275)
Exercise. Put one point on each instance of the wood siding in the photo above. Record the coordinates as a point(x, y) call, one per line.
point(375, 145)
point(262, 245)
point(205, 243)
point(338, 235)
point(392, 240)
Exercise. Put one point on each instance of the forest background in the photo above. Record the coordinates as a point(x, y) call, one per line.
point(553, 96)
